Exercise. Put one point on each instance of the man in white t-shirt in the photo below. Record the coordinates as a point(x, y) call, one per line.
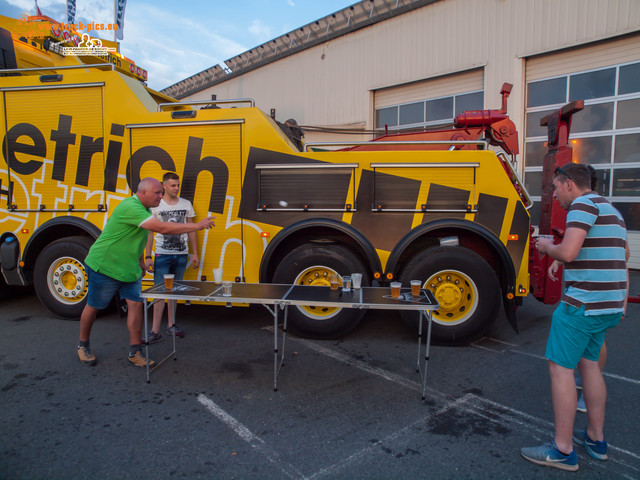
point(171, 251)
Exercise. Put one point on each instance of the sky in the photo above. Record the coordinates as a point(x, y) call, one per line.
point(174, 40)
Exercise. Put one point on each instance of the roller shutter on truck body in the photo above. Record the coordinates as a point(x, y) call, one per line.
point(208, 158)
point(55, 142)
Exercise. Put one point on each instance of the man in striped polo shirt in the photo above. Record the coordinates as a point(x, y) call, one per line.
point(594, 251)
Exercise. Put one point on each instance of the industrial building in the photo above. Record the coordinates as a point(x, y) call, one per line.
point(409, 65)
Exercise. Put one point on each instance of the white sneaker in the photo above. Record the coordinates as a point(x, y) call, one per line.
point(581, 405)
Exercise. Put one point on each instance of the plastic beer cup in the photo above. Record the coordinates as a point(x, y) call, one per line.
point(168, 281)
point(550, 237)
point(333, 280)
point(395, 289)
point(415, 287)
point(217, 275)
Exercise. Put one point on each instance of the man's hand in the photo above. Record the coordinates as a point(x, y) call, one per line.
point(568, 249)
point(195, 261)
point(148, 265)
point(143, 265)
point(553, 270)
point(206, 223)
point(543, 244)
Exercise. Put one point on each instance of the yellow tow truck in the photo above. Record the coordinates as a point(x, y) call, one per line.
point(79, 132)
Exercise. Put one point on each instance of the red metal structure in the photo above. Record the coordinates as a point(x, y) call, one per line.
point(553, 217)
point(499, 130)
point(495, 125)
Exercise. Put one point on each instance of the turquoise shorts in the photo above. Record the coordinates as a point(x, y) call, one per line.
point(574, 335)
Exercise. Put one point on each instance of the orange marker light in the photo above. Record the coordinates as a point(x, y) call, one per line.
point(513, 237)
point(389, 276)
point(265, 234)
point(24, 230)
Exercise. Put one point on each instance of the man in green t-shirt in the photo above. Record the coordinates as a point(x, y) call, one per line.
point(115, 264)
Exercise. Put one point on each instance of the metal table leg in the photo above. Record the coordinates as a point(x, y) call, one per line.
point(175, 322)
point(275, 348)
point(147, 306)
point(419, 340)
point(146, 337)
point(274, 313)
point(428, 314)
point(277, 364)
point(284, 335)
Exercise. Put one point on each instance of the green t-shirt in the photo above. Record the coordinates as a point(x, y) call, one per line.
point(116, 252)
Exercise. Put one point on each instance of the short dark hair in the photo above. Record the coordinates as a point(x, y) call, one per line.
point(578, 173)
point(170, 176)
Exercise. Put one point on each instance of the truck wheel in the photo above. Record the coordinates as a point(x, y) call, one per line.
point(312, 265)
point(466, 288)
point(60, 278)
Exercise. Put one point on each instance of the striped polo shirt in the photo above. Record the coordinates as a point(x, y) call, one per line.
point(597, 278)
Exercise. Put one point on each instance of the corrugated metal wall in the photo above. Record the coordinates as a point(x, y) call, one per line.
point(437, 87)
point(626, 49)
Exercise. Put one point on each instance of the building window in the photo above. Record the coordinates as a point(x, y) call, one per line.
point(432, 112)
point(411, 113)
point(606, 133)
point(387, 116)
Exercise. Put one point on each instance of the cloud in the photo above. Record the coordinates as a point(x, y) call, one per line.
point(260, 30)
point(169, 43)
point(51, 8)
point(171, 47)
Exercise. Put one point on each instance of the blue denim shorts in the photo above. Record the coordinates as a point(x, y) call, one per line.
point(176, 264)
point(103, 288)
point(574, 335)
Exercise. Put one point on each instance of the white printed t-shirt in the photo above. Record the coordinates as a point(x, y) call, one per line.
point(178, 213)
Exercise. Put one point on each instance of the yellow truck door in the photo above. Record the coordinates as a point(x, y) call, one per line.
point(55, 146)
point(207, 155)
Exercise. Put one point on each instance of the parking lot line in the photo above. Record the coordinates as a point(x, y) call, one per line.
point(618, 377)
point(605, 373)
point(347, 360)
point(539, 357)
point(354, 458)
point(487, 409)
point(490, 409)
point(495, 412)
point(252, 439)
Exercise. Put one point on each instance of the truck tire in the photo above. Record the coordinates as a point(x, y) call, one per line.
point(311, 264)
point(60, 278)
point(466, 288)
